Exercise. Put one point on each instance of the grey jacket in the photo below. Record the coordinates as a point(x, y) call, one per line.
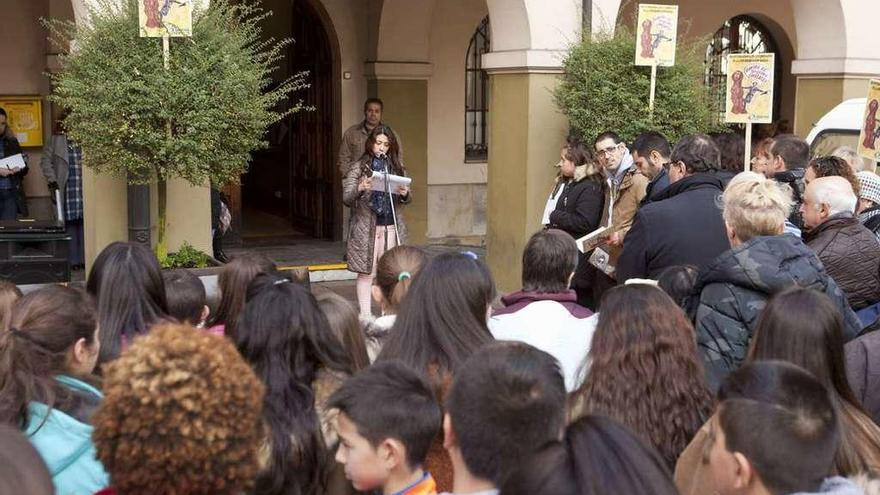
point(54, 162)
point(362, 224)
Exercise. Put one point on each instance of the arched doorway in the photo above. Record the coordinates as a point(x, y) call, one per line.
point(292, 189)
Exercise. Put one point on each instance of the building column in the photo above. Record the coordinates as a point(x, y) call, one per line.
point(837, 65)
point(403, 88)
point(526, 133)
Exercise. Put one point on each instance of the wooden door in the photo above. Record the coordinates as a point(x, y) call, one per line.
point(313, 171)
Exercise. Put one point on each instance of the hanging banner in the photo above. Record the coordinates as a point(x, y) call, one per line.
point(160, 18)
point(25, 119)
point(656, 32)
point(869, 138)
point(750, 88)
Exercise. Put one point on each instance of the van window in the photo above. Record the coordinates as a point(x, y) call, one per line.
point(829, 140)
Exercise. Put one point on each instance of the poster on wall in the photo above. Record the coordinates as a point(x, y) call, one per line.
point(750, 88)
point(159, 18)
point(25, 118)
point(869, 138)
point(656, 33)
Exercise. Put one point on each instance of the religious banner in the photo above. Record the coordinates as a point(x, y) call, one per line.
point(750, 88)
point(160, 18)
point(869, 138)
point(656, 32)
point(25, 119)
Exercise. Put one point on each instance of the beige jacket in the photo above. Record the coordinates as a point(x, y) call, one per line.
point(625, 199)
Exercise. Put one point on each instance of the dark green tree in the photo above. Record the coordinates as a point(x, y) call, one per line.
point(198, 120)
point(602, 89)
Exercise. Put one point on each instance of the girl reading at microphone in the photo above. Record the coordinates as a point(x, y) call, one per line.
point(376, 224)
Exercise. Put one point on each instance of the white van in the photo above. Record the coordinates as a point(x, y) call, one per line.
point(839, 127)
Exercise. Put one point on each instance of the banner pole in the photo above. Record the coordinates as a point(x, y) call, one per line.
point(747, 158)
point(653, 89)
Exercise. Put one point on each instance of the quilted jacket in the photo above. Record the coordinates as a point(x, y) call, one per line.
point(851, 255)
point(362, 224)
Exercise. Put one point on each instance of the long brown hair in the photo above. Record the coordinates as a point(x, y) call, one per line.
point(803, 327)
point(9, 293)
point(395, 271)
point(44, 325)
point(233, 282)
point(393, 150)
point(643, 369)
point(343, 319)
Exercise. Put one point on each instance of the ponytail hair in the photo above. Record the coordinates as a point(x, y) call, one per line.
point(596, 456)
point(395, 271)
point(43, 327)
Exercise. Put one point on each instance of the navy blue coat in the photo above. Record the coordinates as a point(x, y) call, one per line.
point(682, 226)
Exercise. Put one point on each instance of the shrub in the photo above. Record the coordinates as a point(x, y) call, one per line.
point(199, 120)
point(602, 89)
point(186, 257)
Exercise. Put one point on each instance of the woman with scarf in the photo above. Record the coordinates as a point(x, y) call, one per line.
point(376, 224)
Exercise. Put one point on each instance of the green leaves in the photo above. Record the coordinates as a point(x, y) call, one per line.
point(603, 90)
point(216, 95)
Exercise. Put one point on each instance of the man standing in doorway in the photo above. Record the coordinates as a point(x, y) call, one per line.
point(355, 138)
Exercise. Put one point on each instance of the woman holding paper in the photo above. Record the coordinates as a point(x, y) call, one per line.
point(376, 225)
point(579, 203)
point(10, 179)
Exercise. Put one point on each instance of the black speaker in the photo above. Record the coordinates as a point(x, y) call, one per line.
point(34, 257)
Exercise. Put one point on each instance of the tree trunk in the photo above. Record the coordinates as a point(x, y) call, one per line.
point(162, 240)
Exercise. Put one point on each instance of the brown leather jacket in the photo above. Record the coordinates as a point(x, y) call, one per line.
point(851, 255)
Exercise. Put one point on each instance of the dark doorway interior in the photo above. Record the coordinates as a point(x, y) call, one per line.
point(288, 192)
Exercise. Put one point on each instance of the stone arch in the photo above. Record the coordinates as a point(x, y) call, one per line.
point(404, 31)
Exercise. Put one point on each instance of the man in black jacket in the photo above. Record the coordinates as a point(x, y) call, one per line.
point(683, 225)
point(650, 151)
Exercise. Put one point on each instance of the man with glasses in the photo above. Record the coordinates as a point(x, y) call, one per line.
point(683, 225)
point(626, 187)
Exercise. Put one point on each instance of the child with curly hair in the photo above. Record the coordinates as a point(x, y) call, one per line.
point(182, 414)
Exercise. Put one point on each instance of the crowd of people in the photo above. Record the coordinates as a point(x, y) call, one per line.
point(724, 344)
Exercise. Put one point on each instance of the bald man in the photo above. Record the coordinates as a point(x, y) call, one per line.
point(849, 251)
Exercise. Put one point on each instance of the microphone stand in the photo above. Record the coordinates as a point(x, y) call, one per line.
point(391, 200)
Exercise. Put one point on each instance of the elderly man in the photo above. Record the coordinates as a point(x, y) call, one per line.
point(683, 224)
point(849, 251)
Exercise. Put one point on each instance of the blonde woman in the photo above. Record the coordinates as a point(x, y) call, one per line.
point(762, 261)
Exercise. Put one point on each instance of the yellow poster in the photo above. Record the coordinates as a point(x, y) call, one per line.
point(656, 31)
point(750, 88)
point(25, 114)
point(165, 17)
point(869, 138)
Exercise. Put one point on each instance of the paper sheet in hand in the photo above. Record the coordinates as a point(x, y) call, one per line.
point(591, 240)
point(14, 162)
point(550, 207)
point(394, 181)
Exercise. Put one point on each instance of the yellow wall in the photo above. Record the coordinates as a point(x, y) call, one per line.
point(526, 135)
point(406, 111)
point(189, 216)
point(105, 212)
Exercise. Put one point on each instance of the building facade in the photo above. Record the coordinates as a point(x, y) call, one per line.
point(468, 85)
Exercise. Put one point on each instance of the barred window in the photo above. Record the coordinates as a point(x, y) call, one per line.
point(476, 103)
point(741, 34)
